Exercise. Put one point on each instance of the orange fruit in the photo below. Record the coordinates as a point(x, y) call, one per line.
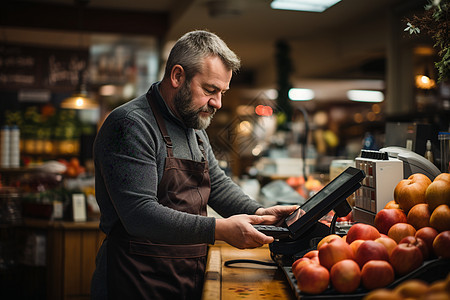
point(392, 204)
point(440, 218)
point(419, 216)
point(327, 239)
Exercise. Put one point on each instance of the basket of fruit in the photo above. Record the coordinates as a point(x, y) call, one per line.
point(404, 254)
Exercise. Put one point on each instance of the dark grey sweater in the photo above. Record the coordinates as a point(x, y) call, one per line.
point(129, 155)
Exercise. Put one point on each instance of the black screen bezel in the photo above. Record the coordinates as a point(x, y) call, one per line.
point(330, 196)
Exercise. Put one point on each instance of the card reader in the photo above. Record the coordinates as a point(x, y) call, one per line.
point(332, 196)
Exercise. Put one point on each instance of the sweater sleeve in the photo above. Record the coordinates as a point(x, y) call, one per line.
point(125, 156)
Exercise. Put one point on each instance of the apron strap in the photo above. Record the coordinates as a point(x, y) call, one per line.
point(161, 124)
point(201, 146)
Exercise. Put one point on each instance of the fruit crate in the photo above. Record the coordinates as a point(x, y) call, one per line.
point(430, 271)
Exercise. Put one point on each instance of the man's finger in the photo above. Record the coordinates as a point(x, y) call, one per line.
point(265, 219)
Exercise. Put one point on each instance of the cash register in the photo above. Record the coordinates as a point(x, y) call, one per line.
point(301, 230)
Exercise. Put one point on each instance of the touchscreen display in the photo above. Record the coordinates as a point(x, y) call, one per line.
point(317, 198)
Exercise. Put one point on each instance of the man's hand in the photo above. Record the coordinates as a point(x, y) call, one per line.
point(278, 211)
point(238, 231)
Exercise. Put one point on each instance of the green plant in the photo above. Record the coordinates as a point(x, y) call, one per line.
point(436, 23)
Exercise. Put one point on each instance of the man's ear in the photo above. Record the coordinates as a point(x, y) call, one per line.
point(177, 76)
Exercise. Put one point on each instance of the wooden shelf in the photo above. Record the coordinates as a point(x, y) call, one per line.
point(71, 249)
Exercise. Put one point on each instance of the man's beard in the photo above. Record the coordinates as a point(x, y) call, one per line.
point(190, 116)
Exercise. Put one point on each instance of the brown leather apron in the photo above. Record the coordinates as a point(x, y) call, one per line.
point(141, 269)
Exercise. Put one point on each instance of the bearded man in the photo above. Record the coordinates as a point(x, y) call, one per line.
point(155, 174)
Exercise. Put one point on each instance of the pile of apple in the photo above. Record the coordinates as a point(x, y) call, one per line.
point(73, 167)
point(413, 289)
point(412, 228)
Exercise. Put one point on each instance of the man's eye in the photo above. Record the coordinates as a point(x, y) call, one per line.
point(209, 91)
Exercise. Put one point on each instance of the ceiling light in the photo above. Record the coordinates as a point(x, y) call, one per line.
point(365, 96)
point(301, 94)
point(107, 90)
point(272, 94)
point(425, 82)
point(79, 99)
point(303, 5)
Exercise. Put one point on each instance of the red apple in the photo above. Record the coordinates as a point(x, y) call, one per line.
point(377, 274)
point(327, 239)
point(427, 234)
point(347, 218)
point(440, 218)
point(387, 217)
point(419, 216)
point(412, 289)
point(315, 260)
point(383, 294)
point(370, 250)
point(417, 242)
point(443, 176)
point(411, 191)
point(355, 245)
point(437, 193)
point(313, 279)
point(298, 264)
point(387, 242)
point(345, 276)
point(405, 258)
point(441, 244)
point(334, 251)
point(392, 204)
point(361, 231)
point(400, 230)
point(312, 254)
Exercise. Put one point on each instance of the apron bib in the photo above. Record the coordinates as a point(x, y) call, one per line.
point(141, 269)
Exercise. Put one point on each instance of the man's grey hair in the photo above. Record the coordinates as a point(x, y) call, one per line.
point(193, 47)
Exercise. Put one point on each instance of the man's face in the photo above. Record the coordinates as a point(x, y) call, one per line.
point(198, 100)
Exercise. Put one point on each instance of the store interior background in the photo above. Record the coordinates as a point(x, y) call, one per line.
point(352, 45)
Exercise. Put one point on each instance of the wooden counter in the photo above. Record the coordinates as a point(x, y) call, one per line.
point(70, 256)
point(243, 281)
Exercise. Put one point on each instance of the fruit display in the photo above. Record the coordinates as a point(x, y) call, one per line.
point(314, 278)
point(400, 230)
point(405, 258)
point(406, 237)
point(413, 289)
point(361, 231)
point(441, 244)
point(438, 192)
point(411, 191)
point(414, 240)
point(440, 219)
point(419, 216)
point(376, 274)
point(370, 250)
point(387, 217)
point(345, 276)
point(366, 265)
point(334, 251)
point(73, 166)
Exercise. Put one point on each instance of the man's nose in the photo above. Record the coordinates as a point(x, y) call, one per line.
point(216, 101)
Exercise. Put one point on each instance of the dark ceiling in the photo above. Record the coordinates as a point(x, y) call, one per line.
point(349, 40)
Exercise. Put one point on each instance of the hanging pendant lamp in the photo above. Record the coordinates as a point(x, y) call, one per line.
point(79, 99)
